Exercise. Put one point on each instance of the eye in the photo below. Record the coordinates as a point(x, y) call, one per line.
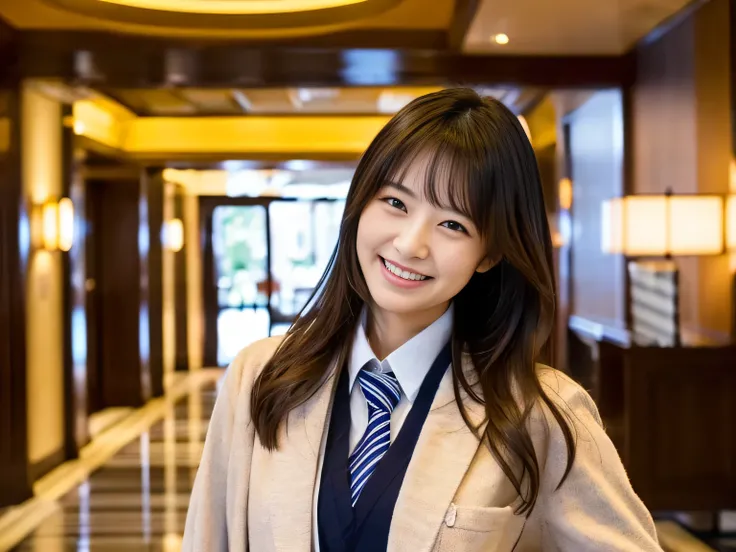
point(395, 203)
point(454, 226)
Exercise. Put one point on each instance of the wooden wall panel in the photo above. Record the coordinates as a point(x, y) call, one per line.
point(124, 288)
point(14, 475)
point(681, 109)
point(122, 372)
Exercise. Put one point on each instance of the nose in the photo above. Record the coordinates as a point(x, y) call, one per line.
point(412, 242)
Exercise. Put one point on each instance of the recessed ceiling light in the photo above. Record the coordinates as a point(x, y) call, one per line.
point(501, 39)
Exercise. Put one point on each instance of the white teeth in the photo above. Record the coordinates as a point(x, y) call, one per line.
point(402, 273)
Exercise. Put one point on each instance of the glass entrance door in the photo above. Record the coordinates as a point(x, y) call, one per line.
point(239, 236)
point(268, 257)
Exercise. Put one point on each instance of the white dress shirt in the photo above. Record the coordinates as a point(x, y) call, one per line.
point(409, 363)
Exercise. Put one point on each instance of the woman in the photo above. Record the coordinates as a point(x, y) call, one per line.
point(408, 408)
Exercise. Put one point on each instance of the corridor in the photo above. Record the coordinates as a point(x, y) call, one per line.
point(138, 499)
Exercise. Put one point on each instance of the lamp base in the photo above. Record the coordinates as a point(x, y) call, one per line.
point(654, 295)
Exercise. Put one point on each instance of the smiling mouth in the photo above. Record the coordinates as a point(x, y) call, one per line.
point(404, 274)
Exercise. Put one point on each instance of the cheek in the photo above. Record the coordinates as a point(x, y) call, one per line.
point(365, 238)
point(369, 228)
point(461, 263)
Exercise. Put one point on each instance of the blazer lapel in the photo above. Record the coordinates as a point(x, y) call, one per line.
point(295, 466)
point(442, 456)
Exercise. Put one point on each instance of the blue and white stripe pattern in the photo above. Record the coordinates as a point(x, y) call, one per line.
point(382, 392)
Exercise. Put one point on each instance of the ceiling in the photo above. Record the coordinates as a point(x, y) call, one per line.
point(566, 27)
point(279, 101)
point(539, 27)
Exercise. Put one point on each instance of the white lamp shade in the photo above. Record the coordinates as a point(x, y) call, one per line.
point(731, 223)
point(696, 225)
point(661, 225)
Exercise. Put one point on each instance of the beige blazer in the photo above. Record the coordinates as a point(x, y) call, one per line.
point(454, 498)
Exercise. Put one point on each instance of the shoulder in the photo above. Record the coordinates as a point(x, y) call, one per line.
point(248, 363)
point(573, 403)
point(577, 410)
point(565, 392)
point(258, 353)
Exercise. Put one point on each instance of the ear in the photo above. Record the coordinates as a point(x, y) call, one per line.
point(487, 264)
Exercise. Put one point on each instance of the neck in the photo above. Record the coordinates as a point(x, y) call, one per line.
point(387, 331)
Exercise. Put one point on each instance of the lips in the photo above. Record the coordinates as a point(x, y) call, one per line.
point(403, 272)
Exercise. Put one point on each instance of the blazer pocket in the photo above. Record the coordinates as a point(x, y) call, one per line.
point(471, 528)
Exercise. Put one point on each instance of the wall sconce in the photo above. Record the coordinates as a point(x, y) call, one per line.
point(564, 193)
point(173, 235)
point(55, 225)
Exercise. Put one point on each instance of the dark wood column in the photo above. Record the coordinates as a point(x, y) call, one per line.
point(15, 485)
point(152, 201)
point(209, 283)
point(732, 38)
point(74, 289)
point(180, 289)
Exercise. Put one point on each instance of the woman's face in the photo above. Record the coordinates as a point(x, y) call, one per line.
point(416, 257)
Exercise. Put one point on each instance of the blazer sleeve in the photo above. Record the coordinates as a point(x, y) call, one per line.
point(596, 508)
point(206, 521)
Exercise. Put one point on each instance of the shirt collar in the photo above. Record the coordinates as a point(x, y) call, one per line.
point(410, 362)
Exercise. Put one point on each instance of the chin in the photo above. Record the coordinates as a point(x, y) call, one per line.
point(399, 307)
point(397, 302)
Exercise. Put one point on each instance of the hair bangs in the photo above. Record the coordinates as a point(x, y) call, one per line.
point(454, 176)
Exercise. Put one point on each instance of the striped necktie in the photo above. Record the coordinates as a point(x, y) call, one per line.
point(382, 392)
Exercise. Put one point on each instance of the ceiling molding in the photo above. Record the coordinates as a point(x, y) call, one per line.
point(119, 133)
point(389, 39)
point(105, 59)
point(271, 102)
point(342, 12)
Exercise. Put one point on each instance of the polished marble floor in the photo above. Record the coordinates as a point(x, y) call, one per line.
point(137, 499)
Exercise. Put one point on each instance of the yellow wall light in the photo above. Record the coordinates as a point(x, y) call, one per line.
point(174, 235)
point(54, 222)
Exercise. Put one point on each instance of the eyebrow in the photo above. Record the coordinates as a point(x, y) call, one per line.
point(400, 187)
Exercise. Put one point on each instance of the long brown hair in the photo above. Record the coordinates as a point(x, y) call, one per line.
point(503, 318)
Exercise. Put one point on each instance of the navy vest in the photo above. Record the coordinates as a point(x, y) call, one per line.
point(365, 528)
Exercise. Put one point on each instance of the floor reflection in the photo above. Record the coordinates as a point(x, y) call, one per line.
point(138, 500)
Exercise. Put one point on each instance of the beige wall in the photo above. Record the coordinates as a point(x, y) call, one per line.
point(41, 166)
point(682, 139)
